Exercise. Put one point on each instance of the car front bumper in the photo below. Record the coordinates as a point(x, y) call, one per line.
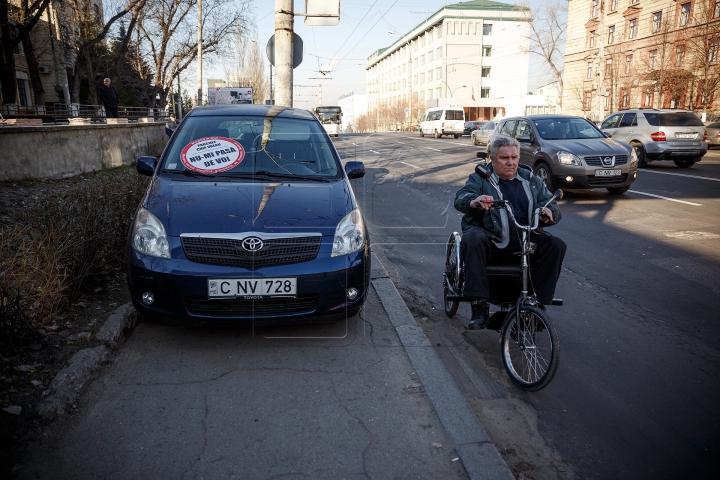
point(180, 289)
point(590, 181)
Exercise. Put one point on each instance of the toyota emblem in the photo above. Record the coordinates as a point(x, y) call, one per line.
point(252, 244)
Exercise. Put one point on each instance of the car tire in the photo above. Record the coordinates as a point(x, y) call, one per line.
point(474, 139)
point(422, 134)
point(640, 152)
point(618, 190)
point(542, 170)
point(685, 162)
point(456, 136)
point(437, 134)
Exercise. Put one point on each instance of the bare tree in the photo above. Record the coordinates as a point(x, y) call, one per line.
point(703, 54)
point(246, 67)
point(547, 37)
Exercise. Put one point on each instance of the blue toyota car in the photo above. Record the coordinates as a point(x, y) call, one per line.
point(249, 218)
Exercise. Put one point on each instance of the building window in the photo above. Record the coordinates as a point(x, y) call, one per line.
point(587, 104)
point(611, 35)
point(613, 5)
point(487, 28)
point(429, 75)
point(652, 57)
point(713, 50)
point(430, 56)
point(422, 59)
point(628, 64)
point(439, 31)
point(485, 72)
point(606, 101)
point(595, 8)
point(608, 67)
point(716, 12)
point(656, 22)
point(438, 92)
point(438, 73)
point(22, 93)
point(635, 1)
point(438, 53)
point(632, 28)
point(684, 14)
point(485, 92)
point(415, 80)
point(591, 39)
point(648, 97)
point(422, 78)
point(589, 71)
point(487, 51)
point(679, 55)
point(624, 99)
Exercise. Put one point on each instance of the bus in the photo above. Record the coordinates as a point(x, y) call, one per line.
point(331, 119)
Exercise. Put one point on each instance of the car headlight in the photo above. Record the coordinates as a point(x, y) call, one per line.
point(148, 235)
point(633, 157)
point(567, 158)
point(349, 234)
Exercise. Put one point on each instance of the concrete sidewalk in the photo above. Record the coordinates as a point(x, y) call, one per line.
point(363, 398)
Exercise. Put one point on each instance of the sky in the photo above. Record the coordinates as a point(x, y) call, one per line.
point(365, 27)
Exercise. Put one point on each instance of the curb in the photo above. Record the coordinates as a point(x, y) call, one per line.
point(72, 380)
point(474, 448)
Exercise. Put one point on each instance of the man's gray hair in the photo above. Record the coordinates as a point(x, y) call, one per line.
point(503, 141)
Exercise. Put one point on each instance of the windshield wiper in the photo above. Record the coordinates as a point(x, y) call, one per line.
point(293, 176)
point(189, 173)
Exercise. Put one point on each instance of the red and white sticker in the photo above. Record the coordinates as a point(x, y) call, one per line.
point(212, 154)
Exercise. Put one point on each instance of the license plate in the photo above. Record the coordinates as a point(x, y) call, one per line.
point(252, 288)
point(685, 135)
point(608, 173)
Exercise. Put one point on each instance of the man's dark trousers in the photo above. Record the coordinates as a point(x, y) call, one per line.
point(477, 250)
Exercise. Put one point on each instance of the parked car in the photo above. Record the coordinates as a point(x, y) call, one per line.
point(482, 134)
point(713, 134)
point(471, 126)
point(249, 217)
point(658, 134)
point(571, 152)
point(439, 121)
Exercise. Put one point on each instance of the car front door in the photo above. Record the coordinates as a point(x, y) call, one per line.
point(527, 138)
point(609, 125)
point(626, 127)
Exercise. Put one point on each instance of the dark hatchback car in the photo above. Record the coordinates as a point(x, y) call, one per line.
point(249, 218)
point(571, 152)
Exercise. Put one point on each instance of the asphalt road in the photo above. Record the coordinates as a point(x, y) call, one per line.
point(636, 392)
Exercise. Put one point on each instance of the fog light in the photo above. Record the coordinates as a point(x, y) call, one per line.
point(352, 293)
point(148, 298)
point(634, 174)
point(569, 178)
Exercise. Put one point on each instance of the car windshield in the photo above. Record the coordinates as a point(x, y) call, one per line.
point(205, 147)
point(566, 129)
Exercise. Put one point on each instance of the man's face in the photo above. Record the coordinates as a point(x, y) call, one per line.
point(107, 83)
point(506, 160)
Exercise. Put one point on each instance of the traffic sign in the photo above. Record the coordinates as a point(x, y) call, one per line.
point(297, 50)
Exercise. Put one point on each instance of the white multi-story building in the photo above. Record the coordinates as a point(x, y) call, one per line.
point(353, 105)
point(473, 54)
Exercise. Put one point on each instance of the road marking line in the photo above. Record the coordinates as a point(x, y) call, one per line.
point(682, 175)
point(434, 149)
point(409, 165)
point(375, 152)
point(666, 198)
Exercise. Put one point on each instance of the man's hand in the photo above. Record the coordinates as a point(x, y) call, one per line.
point(483, 202)
point(546, 215)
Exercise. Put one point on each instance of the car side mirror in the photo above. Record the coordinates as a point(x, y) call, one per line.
point(146, 166)
point(483, 170)
point(607, 135)
point(524, 138)
point(482, 155)
point(355, 169)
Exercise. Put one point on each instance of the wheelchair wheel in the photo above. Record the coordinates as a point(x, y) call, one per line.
point(453, 273)
point(530, 348)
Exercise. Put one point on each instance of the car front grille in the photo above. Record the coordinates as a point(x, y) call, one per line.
point(602, 181)
point(597, 161)
point(237, 307)
point(226, 251)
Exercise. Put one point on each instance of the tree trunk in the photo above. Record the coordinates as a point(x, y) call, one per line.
point(91, 77)
point(7, 61)
point(32, 63)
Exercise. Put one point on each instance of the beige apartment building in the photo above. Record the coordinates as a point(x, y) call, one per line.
point(623, 54)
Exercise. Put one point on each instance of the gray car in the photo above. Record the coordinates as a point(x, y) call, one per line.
point(713, 135)
point(571, 152)
point(659, 134)
point(482, 134)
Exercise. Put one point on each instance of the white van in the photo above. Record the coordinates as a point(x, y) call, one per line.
point(441, 121)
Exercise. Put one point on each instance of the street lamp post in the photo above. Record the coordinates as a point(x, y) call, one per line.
point(452, 91)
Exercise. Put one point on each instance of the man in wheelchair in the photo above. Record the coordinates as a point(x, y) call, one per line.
point(489, 236)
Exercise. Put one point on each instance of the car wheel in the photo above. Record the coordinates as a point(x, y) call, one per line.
point(685, 162)
point(545, 174)
point(618, 190)
point(474, 139)
point(422, 134)
point(456, 136)
point(640, 152)
point(437, 134)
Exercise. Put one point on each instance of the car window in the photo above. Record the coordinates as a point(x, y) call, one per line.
point(567, 129)
point(611, 121)
point(653, 119)
point(629, 120)
point(508, 127)
point(714, 125)
point(489, 126)
point(523, 128)
point(680, 119)
point(226, 145)
point(454, 115)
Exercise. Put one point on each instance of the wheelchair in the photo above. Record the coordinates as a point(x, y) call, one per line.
point(529, 343)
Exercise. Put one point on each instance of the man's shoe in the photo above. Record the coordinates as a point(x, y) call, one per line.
point(480, 315)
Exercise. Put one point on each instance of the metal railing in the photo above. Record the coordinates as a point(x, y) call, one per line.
point(61, 113)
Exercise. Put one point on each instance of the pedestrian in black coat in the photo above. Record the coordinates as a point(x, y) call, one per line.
point(109, 98)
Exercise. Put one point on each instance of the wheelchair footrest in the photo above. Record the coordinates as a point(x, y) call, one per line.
point(459, 298)
point(557, 302)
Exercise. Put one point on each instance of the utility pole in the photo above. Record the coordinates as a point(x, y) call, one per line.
point(284, 18)
point(199, 54)
point(179, 101)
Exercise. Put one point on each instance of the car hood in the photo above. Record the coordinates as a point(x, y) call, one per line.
point(232, 207)
point(597, 146)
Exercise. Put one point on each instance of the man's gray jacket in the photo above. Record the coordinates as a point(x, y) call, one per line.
point(495, 222)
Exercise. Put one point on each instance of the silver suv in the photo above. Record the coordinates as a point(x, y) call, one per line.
point(658, 134)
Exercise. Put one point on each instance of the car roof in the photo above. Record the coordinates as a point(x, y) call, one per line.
point(251, 110)
point(543, 117)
